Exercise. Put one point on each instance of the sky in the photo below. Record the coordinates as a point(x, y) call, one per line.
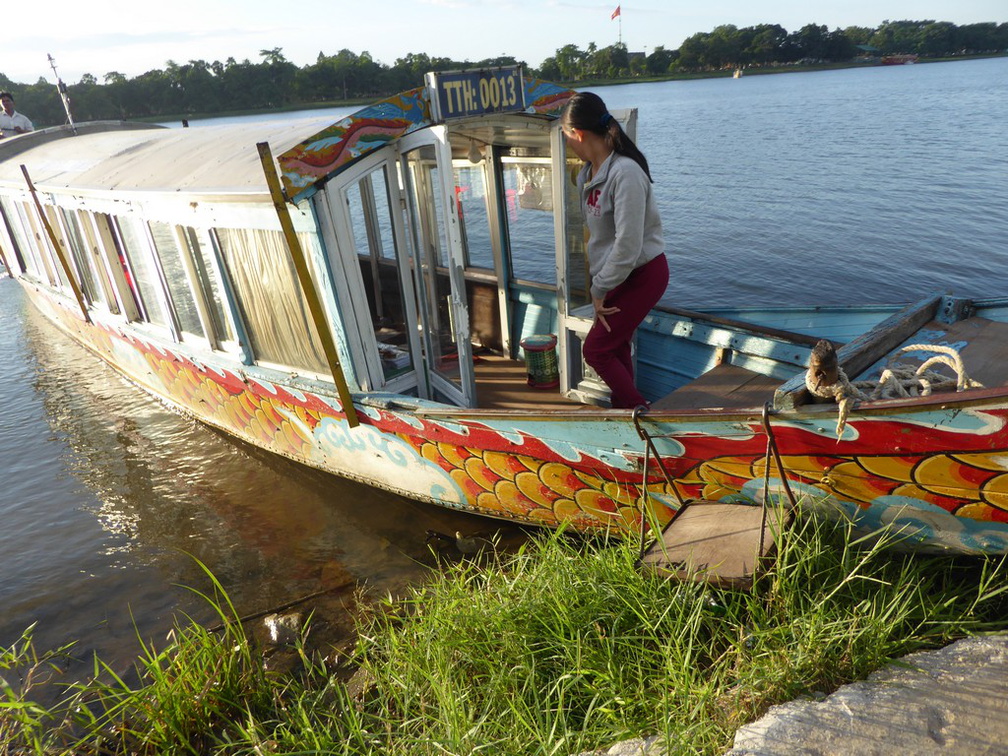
point(134, 36)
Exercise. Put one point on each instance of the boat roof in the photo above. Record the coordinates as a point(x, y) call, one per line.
point(224, 160)
point(335, 148)
point(212, 159)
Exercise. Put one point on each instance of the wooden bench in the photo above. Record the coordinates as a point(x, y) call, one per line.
point(717, 543)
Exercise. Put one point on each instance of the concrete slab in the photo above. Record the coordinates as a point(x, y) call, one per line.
point(949, 702)
point(952, 702)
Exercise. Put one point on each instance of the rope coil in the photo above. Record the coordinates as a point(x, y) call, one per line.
point(897, 380)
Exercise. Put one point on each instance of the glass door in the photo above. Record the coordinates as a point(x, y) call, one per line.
point(362, 213)
point(434, 228)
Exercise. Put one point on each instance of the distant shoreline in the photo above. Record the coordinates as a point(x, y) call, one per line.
point(581, 84)
point(727, 73)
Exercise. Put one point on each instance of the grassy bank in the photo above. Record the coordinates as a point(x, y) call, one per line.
point(557, 649)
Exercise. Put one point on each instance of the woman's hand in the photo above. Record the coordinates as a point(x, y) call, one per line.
point(601, 311)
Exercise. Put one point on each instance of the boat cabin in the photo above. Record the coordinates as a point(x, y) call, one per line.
point(441, 227)
point(468, 221)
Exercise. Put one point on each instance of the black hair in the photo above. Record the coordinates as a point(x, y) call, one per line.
point(6, 94)
point(586, 111)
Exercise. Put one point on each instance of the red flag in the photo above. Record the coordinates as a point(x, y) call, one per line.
point(614, 13)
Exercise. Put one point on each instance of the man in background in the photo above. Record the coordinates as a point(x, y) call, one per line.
point(12, 122)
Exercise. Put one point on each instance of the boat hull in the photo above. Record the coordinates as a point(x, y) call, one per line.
point(938, 471)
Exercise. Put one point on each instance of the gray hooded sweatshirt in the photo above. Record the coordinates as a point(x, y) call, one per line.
point(623, 224)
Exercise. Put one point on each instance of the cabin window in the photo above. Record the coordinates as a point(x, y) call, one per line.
point(26, 251)
point(575, 233)
point(471, 194)
point(427, 204)
point(423, 173)
point(269, 297)
point(11, 251)
point(142, 270)
point(210, 284)
point(112, 248)
point(24, 225)
point(370, 218)
point(79, 253)
point(51, 218)
point(166, 244)
point(96, 254)
point(57, 278)
point(39, 248)
point(43, 266)
point(528, 193)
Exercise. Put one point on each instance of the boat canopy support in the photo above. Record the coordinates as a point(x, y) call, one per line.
point(60, 253)
point(307, 285)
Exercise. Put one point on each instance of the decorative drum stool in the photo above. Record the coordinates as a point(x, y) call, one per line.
point(541, 361)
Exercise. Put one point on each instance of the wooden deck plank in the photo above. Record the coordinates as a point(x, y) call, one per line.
point(503, 384)
point(715, 543)
point(982, 344)
point(985, 357)
point(727, 386)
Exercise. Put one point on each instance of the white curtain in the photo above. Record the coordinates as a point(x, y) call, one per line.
point(269, 297)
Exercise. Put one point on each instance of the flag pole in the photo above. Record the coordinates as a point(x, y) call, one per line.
point(63, 95)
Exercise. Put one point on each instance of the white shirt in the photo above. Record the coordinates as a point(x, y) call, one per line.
point(9, 122)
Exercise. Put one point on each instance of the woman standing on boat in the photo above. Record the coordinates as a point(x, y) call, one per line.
point(626, 250)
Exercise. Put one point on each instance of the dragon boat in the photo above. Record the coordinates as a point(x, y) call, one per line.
point(400, 298)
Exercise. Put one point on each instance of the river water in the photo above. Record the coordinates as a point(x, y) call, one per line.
point(881, 184)
point(862, 185)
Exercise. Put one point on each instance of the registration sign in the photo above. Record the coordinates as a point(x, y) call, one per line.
point(456, 94)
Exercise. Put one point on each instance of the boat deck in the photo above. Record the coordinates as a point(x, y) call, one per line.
point(503, 384)
point(725, 386)
point(983, 346)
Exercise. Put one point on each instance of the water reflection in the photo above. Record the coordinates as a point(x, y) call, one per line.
point(122, 494)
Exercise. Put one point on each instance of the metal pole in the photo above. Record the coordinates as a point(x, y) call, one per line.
point(307, 285)
point(63, 95)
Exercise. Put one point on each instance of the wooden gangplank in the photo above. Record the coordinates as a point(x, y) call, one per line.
point(717, 543)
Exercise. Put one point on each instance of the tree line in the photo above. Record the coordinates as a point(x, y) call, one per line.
point(204, 88)
point(771, 45)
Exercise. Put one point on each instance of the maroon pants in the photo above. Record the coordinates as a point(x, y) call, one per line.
point(608, 352)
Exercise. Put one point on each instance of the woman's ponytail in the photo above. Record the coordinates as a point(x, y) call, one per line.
point(586, 111)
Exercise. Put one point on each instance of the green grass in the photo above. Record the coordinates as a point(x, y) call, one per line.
point(560, 648)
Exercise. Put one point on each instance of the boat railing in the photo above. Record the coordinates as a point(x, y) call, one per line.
point(755, 329)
